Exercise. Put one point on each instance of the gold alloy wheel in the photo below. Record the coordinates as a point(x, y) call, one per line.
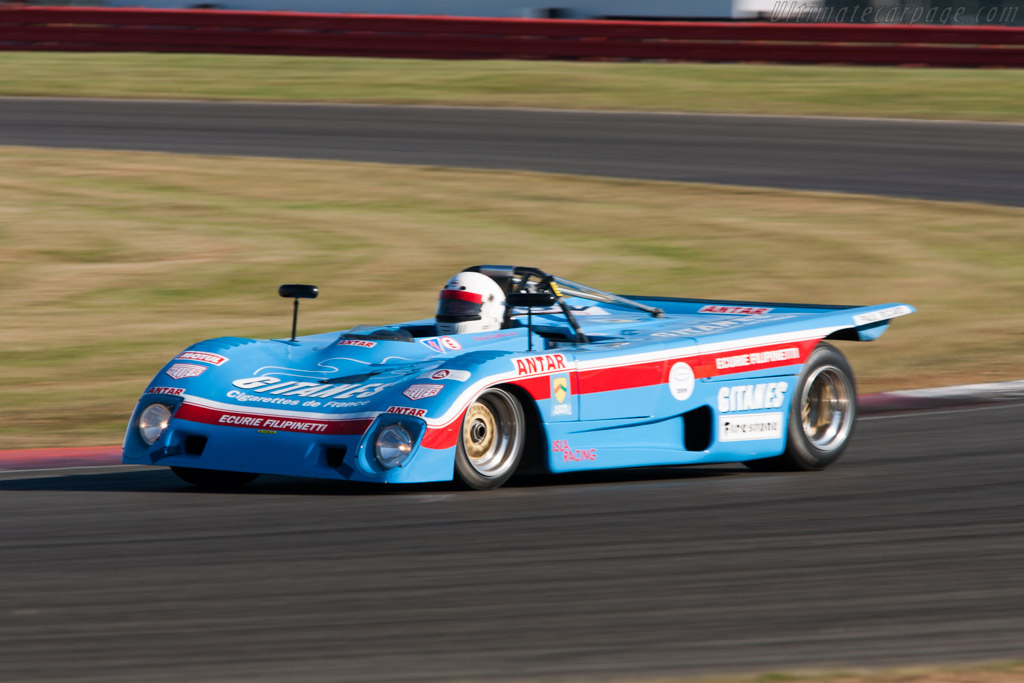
point(827, 408)
point(492, 433)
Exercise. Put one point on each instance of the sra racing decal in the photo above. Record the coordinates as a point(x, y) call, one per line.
point(569, 455)
point(750, 427)
point(540, 365)
point(202, 357)
point(184, 370)
point(752, 397)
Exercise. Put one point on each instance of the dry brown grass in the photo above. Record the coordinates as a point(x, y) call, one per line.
point(973, 94)
point(110, 262)
point(992, 672)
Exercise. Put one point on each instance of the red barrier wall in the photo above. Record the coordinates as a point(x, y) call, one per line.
point(147, 30)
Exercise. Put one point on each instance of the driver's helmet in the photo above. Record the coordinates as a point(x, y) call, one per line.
point(470, 302)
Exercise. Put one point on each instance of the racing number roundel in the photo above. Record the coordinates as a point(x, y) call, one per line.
point(681, 381)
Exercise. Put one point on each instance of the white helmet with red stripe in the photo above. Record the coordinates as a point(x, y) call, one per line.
point(470, 302)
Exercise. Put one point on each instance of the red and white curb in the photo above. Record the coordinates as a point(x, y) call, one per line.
point(58, 458)
point(870, 404)
point(942, 397)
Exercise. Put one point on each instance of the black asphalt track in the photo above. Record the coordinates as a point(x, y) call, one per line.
point(930, 160)
point(909, 550)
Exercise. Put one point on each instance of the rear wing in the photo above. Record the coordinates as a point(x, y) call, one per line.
point(852, 323)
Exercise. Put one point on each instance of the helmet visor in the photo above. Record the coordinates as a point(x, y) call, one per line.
point(456, 305)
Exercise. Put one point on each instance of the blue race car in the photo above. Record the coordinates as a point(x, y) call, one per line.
point(518, 370)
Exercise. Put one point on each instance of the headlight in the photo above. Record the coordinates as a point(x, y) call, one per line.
point(393, 446)
point(153, 422)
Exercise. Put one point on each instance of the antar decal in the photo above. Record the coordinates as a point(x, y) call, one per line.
point(540, 365)
point(402, 410)
point(735, 310)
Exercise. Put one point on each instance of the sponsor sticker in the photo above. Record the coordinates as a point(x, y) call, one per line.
point(735, 310)
point(751, 396)
point(714, 326)
point(751, 427)
point(167, 391)
point(561, 392)
point(417, 391)
point(756, 358)
point(404, 410)
point(540, 365)
point(681, 381)
point(884, 314)
point(450, 344)
point(433, 343)
point(202, 357)
point(272, 423)
point(183, 370)
point(357, 342)
point(454, 375)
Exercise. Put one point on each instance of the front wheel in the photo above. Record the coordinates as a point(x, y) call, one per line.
point(214, 479)
point(821, 415)
point(491, 440)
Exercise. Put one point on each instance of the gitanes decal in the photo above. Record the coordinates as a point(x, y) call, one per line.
point(751, 397)
point(540, 365)
point(274, 386)
point(202, 357)
point(184, 370)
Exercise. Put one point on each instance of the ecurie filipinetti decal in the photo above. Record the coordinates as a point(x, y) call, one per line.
point(517, 369)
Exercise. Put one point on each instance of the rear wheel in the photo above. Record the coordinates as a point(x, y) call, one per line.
point(491, 440)
point(821, 414)
point(214, 479)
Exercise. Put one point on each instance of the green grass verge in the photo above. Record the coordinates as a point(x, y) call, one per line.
point(114, 261)
point(976, 94)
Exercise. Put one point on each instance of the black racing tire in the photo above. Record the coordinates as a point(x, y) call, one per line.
point(491, 440)
point(822, 414)
point(214, 479)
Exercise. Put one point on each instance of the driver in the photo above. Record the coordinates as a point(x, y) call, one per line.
point(470, 302)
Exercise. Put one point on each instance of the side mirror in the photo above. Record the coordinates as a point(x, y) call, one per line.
point(297, 292)
point(530, 300)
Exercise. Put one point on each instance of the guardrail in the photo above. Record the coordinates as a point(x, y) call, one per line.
point(150, 30)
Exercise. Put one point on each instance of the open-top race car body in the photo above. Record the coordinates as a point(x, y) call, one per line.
point(574, 379)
